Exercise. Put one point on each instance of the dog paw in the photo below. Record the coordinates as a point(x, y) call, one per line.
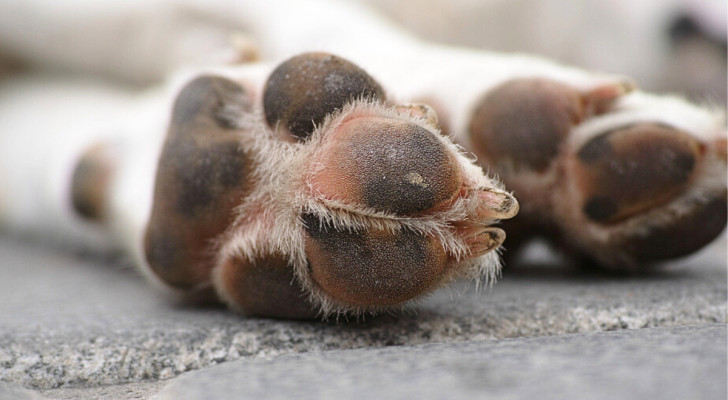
point(624, 178)
point(645, 191)
point(317, 195)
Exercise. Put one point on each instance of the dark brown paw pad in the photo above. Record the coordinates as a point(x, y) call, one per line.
point(90, 182)
point(372, 267)
point(202, 175)
point(265, 287)
point(386, 164)
point(684, 235)
point(522, 123)
point(629, 170)
point(304, 89)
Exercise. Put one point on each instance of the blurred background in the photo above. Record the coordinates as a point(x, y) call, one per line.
point(664, 45)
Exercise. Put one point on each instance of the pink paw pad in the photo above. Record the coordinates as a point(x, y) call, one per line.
point(388, 165)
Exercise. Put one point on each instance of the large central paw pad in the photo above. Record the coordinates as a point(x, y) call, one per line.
point(341, 202)
point(389, 165)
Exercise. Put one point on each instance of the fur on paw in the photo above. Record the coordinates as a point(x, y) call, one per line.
point(314, 194)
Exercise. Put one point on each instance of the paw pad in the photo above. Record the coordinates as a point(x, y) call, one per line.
point(523, 123)
point(632, 169)
point(90, 182)
point(389, 165)
point(303, 90)
point(202, 175)
point(684, 235)
point(265, 287)
point(372, 267)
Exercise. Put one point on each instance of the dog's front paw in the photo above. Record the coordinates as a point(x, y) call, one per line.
point(342, 202)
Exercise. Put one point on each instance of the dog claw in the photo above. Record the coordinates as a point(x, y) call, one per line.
point(496, 204)
point(485, 241)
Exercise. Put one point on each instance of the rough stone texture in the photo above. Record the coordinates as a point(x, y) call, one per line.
point(656, 363)
point(69, 321)
point(143, 390)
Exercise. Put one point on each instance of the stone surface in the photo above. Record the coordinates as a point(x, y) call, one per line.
point(139, 390)
point(13, 392)
point(655, 363)
point(71, 321)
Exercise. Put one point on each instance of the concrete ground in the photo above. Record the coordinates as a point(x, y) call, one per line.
point(74, 327)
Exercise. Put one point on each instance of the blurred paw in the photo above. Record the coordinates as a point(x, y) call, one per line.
point(625, 178)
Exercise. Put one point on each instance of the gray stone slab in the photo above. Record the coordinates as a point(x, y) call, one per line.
point(654, 363)
point(70, 321)
point(14, 392)
point(129, 391)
